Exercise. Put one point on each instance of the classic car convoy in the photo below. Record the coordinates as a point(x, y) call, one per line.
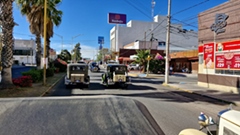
point(115, 74)
point(77, 73)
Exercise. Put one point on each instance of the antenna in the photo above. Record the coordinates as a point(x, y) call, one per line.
point(153, 5)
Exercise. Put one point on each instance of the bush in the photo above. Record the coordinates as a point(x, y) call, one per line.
point(62, 68)
point(36, 75)
point(23, 81)
point(50, 72)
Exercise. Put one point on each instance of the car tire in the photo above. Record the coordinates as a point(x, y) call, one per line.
point(67, 86)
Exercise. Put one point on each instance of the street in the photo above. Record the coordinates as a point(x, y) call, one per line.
point(145, 108)
point(173, 110)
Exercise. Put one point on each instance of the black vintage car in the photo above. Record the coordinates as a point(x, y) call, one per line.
point(94, 67)
point(116, 74)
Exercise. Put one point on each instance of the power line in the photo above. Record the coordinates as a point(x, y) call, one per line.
point(191, 7)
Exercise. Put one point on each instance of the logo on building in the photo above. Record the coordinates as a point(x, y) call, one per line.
point(220, 23)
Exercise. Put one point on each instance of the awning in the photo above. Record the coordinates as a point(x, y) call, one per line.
point(125, 59)
point(62, 61)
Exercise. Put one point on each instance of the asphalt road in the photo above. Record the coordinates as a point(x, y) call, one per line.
point(173, 110)
point(75, 115)
point(146, 107)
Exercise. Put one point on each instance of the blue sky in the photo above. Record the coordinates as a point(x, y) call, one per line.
point(88, 18)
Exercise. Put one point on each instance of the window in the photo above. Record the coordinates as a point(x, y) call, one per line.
point(161, 43)
point(21, 52)
point(228, 72)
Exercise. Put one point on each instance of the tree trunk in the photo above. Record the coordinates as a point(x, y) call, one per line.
point(7, 78)
point(38, 51)
point(7, 52)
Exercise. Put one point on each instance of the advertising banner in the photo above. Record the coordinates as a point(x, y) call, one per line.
point(228, 60)
point(116, 18)
point(226, 46)
point(208, 54)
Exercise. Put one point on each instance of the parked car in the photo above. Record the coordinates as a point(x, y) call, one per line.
point(93, 66)
point(133, 67)
point(116, 74)
point(77, 74)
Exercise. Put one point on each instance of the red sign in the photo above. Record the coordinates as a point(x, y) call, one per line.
point(200, 49)
point(233, 45)
point(228, 60)
point(208, 54)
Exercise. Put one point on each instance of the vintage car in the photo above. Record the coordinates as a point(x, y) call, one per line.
point(229, 124)
point(77, 74)
point(116, 74)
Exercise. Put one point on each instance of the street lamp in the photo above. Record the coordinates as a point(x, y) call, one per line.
point(61, 38)
point(73, 45)
point(149, 57)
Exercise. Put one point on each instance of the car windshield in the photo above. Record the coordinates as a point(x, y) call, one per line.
point(116, 67)
point(78, 68)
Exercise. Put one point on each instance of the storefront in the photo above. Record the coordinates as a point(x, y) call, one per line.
point(219, 47)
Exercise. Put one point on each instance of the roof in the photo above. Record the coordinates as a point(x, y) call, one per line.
point(232, 116)
point(77, 64)
point(115, 65)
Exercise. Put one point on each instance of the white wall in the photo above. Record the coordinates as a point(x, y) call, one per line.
point(135, 30)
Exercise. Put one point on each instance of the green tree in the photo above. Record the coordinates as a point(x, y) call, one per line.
point(65, 55)
point(6, 16)
point(76, 53)
point(34, 11)
point(142, 58)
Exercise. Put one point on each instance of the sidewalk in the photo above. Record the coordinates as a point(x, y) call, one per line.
point(211, 93)
point(193, 88)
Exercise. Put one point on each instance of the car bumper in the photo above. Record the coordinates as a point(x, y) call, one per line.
point(69, 82)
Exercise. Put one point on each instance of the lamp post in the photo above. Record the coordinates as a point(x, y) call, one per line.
point(61, 39)
point(149, 57)
point(73, 45)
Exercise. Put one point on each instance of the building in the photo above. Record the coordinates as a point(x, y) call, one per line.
point(52, 54)
point(219, 47)
point(24, 51)
point(140, 32)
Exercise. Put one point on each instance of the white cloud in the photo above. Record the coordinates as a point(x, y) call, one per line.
point(86, 50)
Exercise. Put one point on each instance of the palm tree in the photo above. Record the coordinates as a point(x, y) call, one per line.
point(142, 58)
point(7, 21)
point(77, 53)
point(34, 10)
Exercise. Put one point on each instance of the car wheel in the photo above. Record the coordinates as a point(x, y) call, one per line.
point(67, 86)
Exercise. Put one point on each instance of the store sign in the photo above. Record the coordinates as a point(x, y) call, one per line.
point(116, 18)
point(208, 53)
point(226, 46)
point(220, 23)
point(228, 61)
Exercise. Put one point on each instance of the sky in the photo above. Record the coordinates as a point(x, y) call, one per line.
point(83, 21)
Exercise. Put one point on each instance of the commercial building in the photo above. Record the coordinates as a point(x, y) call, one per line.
point(219, 47)
point(24, 51)
point(137, 35)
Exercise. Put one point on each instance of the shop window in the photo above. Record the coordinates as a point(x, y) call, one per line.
point(228, 72)
point(200, 58)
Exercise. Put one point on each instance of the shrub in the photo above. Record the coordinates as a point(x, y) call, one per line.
point(50, 72)
point(23, 81)
point(62, 68)
point(36, 75)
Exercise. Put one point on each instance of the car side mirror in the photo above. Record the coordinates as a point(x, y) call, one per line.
point(205, 121)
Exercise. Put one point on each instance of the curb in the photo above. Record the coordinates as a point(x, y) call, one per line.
point(51, 86)
point(189, 91)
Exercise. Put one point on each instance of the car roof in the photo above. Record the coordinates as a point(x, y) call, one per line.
point(110, 65)
point(77, 64)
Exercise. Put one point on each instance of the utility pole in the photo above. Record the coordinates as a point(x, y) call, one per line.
point(149, 56)
point(45, 39)
point(167, 43)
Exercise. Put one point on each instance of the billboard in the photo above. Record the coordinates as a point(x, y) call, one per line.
point(208, 54)
point(116, 18)
point(228, 60)
point(101, 40)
